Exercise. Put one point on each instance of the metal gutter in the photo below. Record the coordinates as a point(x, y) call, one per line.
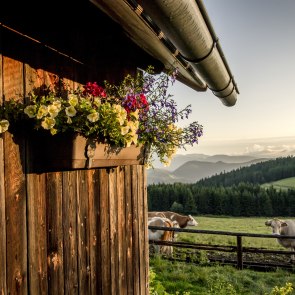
point(186, 24)
point(145, 34)
point(180, 35)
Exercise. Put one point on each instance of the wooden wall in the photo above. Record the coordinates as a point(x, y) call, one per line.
point(72, 232)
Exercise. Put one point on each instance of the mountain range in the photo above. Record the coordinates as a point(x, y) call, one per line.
point(192, 167)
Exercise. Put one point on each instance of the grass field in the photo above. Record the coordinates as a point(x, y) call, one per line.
point(254, 225)
point(284, 184)
point(201, 279)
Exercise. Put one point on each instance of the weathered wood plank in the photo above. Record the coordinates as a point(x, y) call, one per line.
point(94, 249)
point(141, 230)
point(16, 237)
point(54, 232)
point(83, 233)
point(129, 229)
point(3, 289)
point(122, 284)
point(135, 233)
point(145, 214)
point(70, 250)
point(37, 239)
point(113, 209)
point(105, 232)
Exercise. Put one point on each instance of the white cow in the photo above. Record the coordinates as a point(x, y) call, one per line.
point(161, 235)
point(286, 228)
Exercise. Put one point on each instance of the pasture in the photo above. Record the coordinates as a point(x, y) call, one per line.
point(255, 225)
point(215, 279)
point(283, 184)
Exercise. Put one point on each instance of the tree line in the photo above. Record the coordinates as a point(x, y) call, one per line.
point(236, 193)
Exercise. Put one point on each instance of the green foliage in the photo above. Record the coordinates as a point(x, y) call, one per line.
point(156, 287)
point(219, 280)
point(176, 207)
point(287, 289)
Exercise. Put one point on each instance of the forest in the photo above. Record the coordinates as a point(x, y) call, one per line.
point(235, 193)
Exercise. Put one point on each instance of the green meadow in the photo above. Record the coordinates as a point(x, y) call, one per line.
point(254, 225)
point(283, 184)
point(181, 278)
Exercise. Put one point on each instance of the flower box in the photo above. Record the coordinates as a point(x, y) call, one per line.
point(63, 152)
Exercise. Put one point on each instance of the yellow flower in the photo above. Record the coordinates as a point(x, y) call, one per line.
point(57, 103)
point(97, 101)
point(30, 111)
point(69, 120)
point(93, 117)
point(134, 138)
point(4, 124)
point(71, 111)
point(42, 112)
point(73, 100)
point(124, 130)
point(48, 123)
point(53, 131)
point(135, 114)
point(53, 110)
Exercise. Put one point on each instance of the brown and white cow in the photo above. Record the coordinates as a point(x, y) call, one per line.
point(183, 220)
point(161, 235)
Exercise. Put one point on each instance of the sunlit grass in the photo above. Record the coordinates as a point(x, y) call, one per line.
point(218, 280)
point(255, 225)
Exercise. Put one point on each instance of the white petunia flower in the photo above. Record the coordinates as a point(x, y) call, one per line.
point(30, 111)
point(48, 123)
point(73, 100)
point(42, 112)
point(71, 111)
point(53, 110)
point(93, 117)
point(124, 130)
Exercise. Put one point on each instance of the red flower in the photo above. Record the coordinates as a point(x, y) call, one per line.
point(94, 89)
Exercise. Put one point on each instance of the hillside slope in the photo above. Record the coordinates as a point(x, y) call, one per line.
point(192, 171)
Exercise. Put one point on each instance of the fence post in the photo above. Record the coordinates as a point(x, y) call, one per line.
point(239, 252)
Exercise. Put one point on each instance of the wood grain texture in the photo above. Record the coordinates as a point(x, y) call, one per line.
point(15, 191)
point(135, 232)
point(128, 230)
point(54, 233)
point(113, 209)
point(3, 289)
point(83, 233)
point(121, 231)
point(94, 227)
point(69, 224)
point(105, 232)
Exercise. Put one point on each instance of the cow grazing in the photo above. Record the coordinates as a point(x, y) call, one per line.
point(161, 235)
point(155, 214)
point(183, 220)
point(286, 228)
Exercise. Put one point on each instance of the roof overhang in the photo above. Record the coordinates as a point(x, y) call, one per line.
point(179, 34)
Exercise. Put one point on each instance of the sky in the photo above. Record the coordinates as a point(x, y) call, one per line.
point(258, 41)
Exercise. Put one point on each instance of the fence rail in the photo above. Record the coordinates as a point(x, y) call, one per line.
point(238, 248)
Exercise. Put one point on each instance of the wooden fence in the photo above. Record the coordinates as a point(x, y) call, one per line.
point(240, 262)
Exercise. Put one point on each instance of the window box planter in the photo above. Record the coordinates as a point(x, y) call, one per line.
point(62, 152)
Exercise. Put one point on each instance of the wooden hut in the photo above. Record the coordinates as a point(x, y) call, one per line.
point(84, 231)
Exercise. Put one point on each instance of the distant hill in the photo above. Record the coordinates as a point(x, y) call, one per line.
point(179, 160)
point(192, 171)
point(259, 173)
